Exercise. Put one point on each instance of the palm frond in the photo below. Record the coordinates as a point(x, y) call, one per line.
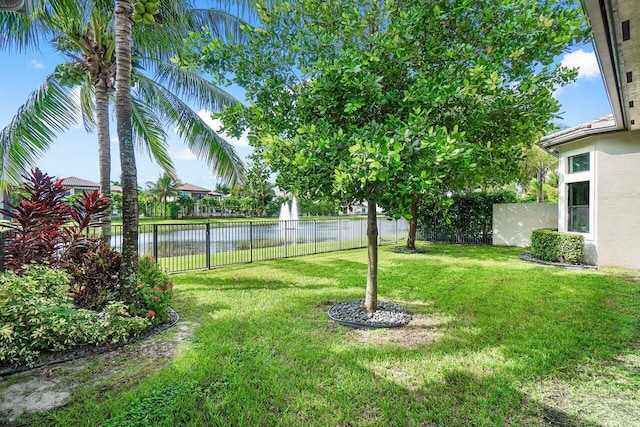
point(149, 136)
point(178, 19)
point(201, 139)
point(49, 111)
point(192, 87)
point(19, 32)
point(88, 105)
point(67, 17)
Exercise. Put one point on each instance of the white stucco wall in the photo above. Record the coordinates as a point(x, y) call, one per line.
point(513, 222)
point(614, 234)
point(618, 200)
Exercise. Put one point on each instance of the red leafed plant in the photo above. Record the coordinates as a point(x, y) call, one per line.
point(38, 219)
point(47, 230)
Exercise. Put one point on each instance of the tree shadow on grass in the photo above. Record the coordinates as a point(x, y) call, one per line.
point(211, 282)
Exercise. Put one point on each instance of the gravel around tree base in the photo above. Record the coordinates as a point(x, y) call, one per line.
point(354, 314)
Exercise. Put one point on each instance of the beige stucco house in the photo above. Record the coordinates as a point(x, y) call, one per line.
point(599, 186)
point(78, 185)
point(197, 193)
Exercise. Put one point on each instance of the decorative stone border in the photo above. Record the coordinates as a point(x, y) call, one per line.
point(354, 315)
point(87, 350)
point(526, 256)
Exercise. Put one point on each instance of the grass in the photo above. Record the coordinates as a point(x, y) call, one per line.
point(494, 341)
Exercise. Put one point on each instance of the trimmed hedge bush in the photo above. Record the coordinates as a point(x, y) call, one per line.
point(549, 244)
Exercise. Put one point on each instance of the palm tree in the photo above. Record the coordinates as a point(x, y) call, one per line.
point(128, 279)
point(164, 188)
point(538, 164)
point(83, 31)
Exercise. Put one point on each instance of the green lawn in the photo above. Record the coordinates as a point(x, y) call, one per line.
point(494, 341)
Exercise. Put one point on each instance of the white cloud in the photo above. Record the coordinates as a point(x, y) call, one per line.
point(185, 154)
point(585, 62)
point(216, 124)
point(35, 65)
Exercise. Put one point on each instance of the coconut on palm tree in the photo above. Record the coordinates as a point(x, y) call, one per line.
point(83, 86)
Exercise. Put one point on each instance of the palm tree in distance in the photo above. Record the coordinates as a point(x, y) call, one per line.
point(164, 188)
point(82, 87)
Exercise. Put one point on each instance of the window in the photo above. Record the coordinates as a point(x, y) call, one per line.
point(579, 163)
point(579, 207)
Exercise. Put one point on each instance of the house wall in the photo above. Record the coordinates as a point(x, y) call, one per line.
point(618, 200)
point(514, 222)
point(614, 234)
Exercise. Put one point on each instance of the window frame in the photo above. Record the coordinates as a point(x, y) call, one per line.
point(570, 163)
point(567, 178)
point(571, 208)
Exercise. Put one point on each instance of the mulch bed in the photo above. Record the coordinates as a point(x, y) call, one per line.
point(526, 256)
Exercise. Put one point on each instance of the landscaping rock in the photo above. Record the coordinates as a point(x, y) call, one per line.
point(354, 314)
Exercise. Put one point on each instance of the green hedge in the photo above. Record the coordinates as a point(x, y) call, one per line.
point(549, 244)
point(461, 218)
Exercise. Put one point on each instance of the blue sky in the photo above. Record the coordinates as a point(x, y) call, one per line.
point(75, 152)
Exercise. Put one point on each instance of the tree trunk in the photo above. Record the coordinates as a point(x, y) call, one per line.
point(104, 152)
point(129, 265)
point(371, 295)
point(540, 187)
point(413, 226)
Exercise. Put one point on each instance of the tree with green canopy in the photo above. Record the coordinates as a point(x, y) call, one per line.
point(389, 101)
point(163, 95)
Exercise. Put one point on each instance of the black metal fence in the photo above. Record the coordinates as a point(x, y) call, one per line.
point(182, 247)
point(194, 246)
point(455, 236)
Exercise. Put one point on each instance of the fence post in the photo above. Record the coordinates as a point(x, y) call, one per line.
point(315, 236)
point(155, 242)
point(208, 245)
point(3, 236)
point(396, 227)
point(286, 226)
point(250, 241)
point(340, 234)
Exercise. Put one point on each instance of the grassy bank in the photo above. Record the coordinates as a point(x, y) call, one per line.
point(494, 341)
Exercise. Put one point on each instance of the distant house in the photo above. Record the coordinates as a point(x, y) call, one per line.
point(78, 185)
point(193, 191)
point(197, 193)
point(599, 185)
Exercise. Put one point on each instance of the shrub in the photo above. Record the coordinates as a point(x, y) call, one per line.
point(156, 290)
point(551, 245)
point(40, 218)
point(37, 315)
point(95, 281)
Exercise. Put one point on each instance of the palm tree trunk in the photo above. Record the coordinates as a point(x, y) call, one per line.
point(129, 265)
point(371, 294)
point(413, 226)
point(540, 187)
point(104, 152)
